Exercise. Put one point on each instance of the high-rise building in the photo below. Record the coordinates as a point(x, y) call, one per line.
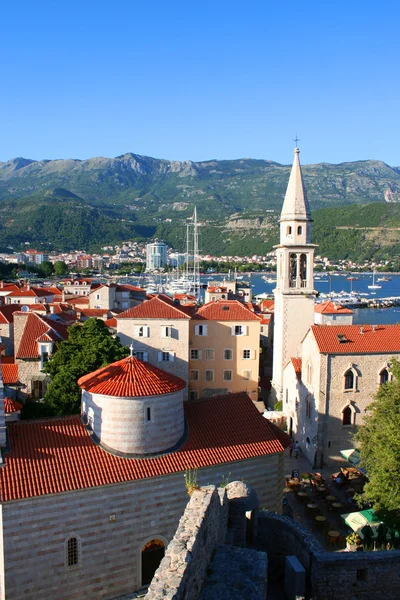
point(156, 256)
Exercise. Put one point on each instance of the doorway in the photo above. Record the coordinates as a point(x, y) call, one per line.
point(152, 554)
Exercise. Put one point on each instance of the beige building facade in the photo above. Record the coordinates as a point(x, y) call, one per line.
point(224, 350)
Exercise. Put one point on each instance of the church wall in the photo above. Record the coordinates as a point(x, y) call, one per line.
point(123, 425)
point(368, 366)
point(178, 343)
point(113, 523)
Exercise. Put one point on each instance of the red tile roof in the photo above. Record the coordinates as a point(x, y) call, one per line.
point(267, 306)
point(358, 339)
point(7, 313)
point(9, 373)
point(33, 292)
point(159, 307)
point(225, 310)
point(57, 455)
point(78, 300)
point(95, 312)
point(111, 323)
point(332, 308)
point(7, 360)
point(11, 406)
point(296, 362)
point(35, 327)
point(131, 378)
point(217, 289)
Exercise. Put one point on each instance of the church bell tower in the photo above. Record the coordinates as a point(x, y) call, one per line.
point(294, 292)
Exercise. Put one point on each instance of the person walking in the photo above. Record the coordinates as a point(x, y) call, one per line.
point(291, 445)
point(296, 450)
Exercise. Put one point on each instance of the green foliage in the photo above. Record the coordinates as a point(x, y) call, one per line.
point(278, 406)
point(60, 268)
point(379, 444)
point(191, 476)
point(89, 347)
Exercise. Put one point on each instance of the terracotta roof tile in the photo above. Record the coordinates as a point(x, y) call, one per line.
point(225, 310)
point(296, 362)
point(9, 373)
point(218, 289)
point(33, 292)
point(11, 406)
point(57, 455)
point(130, 378)
point(332, 308)
point(7, 360)
point(357, 339)
point(159, 307)
point(268, 306)
point(7, 313)
point(111, 323)
point(35, 327)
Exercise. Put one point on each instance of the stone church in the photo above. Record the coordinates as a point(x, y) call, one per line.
point(89, 503)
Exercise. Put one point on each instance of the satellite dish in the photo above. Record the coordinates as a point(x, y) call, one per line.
point(25, 309)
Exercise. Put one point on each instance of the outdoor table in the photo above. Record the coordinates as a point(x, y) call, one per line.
point(333, 537)
point(337, 505)
point(331, 499)
point(302, 496)
point(321, 490)
point(320, 521)
point(311, 507)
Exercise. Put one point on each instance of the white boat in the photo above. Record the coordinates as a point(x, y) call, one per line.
point(374, 286)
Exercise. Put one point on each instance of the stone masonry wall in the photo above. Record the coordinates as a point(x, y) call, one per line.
point(330, 575)
point(202, 527)
point(113, 523)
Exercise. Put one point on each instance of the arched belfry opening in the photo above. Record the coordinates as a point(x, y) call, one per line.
point(303, 269)
point(152, 554)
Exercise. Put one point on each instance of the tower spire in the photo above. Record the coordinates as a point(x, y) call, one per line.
point(295, 206)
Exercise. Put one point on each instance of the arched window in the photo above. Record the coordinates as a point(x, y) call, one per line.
point(309, 372)
point(349, 380)
point(383, 376)
point(303, 267)
point(308, 407)
point(292, 270)
point(289, 231)
point(72, 557)
point(299, 230)
point(346, 416)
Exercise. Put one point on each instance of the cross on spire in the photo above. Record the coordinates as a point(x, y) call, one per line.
point(131, 349)
point(296, 139)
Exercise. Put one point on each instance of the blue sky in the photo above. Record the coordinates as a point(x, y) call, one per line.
point(200, 80)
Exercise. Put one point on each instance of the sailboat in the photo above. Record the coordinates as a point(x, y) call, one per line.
point(374, 286)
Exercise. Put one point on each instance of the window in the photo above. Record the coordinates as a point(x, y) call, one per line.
point(246, 354)
point(287, 396)
point(349, 380)
point(142, 356)
point(239, 330)
point(142, 331)
point(194, 375)
point(289, 231)
point(299, 230)
point(383, 376)
point(346, 416)
point(195, 354)
point(200, 329)
point(309, 372)
point(193, 395)
point(209, 375)
point(72, 552)
point(166, 331)
point(227, 375)
point(166, 356)
point(246, 375)
point(98, 296)
point(209, 354)
point(148, 413)
point(228, 354)
point(308, 407)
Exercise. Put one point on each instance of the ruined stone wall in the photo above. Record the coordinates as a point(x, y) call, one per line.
point(330, 575)
point(202, 527)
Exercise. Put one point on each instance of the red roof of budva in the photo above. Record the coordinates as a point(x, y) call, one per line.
point(57, 455)
point(158, 307)
point(11, 406)
point(225, 310)
point(130, 378)
point(357, 339)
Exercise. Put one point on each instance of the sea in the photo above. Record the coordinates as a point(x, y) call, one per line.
point(327, 284)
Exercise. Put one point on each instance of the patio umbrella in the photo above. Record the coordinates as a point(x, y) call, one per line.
point(352, 455)
point(357, 521)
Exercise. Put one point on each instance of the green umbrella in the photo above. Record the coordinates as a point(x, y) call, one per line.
point(357, 520)
point(352, 455)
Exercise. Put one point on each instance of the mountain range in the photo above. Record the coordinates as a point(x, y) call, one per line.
point(72, 203)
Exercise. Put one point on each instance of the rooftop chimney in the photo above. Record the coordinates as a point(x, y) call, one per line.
point(361, 329)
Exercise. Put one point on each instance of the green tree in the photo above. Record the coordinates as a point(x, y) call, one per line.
point(46, 269)
point(60, 268)
point(379, 445)
point(89, 347)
